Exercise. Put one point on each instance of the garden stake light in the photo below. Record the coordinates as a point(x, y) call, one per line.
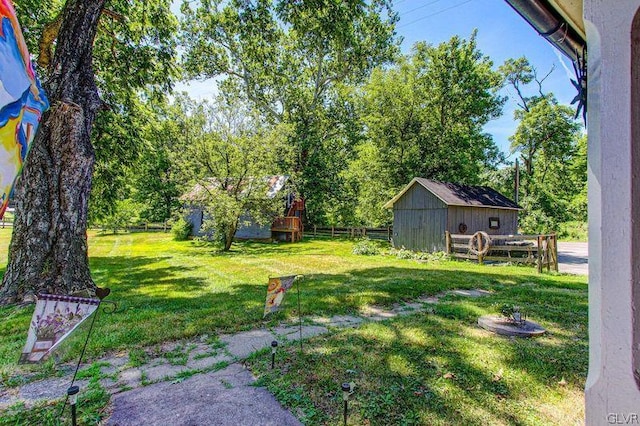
point(72, 393)
point(347, 390)
point(274, 346)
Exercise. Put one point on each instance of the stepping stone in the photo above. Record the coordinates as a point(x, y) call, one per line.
point(208, 362)
point(245, 343)
point(471, 293)
point(159, 372)
point(224, 398)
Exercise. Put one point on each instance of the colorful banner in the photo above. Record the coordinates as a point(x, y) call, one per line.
point(53, 320)
point(22, 101)
point(275, 292)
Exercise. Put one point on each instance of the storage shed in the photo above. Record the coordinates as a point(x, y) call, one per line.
point(287, 227)
point(425, 209)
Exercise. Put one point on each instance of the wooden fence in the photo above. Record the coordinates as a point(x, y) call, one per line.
point(539, 250)
point(352, 232)
point(6, 222)
point(138, 227)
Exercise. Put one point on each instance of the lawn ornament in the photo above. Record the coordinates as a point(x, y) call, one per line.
point(54, 319)
point(275, 293)
point(513, 322)
point(480, 243)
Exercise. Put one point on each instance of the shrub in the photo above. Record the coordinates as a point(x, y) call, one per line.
point(366, 247)
point(403, 253)
point(181, 229)
point(574, 231)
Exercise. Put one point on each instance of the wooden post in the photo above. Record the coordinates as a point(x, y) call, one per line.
point(364, 232)
point(146, 226)
point(447, 237)
point(388, 233)
point(315, 233)
point(539, 254)
point(480, 259)
point(332, 231)
point(548, 250)
point(164, 227)
point(555, 252)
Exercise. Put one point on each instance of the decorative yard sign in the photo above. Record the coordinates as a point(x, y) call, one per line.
point(53, 320)
point(275, 292)
point(22, 101)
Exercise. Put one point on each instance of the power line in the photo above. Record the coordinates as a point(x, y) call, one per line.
point(434, 14)
point(419, 7)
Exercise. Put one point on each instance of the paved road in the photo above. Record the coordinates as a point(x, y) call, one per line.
point(573, 258)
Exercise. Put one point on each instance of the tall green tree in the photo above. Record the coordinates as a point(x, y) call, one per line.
point(425, 117)
point(86, 51)
point(158, 181)
point(292, 59)
point(229, 159)
point(546, 140)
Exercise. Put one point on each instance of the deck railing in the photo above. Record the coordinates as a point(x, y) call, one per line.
point(291, 226)
point(289, 223)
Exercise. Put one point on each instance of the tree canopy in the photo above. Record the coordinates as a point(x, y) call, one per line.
point(292, 60)
point(425, 117)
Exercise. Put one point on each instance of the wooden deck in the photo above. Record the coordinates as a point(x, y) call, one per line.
point(290, 226)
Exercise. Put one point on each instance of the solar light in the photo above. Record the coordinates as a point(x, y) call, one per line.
point(347, 390)
point(72, 393)
point(274, 346)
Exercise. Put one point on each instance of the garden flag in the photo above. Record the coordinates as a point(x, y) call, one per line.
point(22, 101)
point(275, 292)
point(53, 320)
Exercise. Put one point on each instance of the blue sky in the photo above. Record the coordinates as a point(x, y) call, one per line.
point(502, 34)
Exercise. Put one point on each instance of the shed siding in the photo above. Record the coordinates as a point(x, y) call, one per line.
point(419, 221)
point(251, 230)
point(195, 217)
point(477, 219)
point(417, 197)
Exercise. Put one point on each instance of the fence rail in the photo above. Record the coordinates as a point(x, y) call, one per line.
point(539, 250)
point(352, 232)
point(137, 227)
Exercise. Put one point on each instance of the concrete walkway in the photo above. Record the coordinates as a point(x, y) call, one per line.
point(203, 382)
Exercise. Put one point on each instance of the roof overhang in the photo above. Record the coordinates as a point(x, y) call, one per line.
point(559, 21)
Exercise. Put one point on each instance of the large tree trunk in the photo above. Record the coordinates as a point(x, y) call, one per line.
point(48, 251)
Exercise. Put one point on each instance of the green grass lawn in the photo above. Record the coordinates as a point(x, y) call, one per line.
point(439, 368)
point(170, 290)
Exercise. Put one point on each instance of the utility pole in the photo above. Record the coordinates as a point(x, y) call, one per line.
point(517, 182)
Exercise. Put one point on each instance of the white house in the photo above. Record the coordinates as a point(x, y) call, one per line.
point(611, 29)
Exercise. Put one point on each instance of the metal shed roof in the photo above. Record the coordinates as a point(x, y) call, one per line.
point(460, 195)
point(273, 185)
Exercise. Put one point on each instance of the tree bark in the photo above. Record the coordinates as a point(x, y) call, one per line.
point(48, 251)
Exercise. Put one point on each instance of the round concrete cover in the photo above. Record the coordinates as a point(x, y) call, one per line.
point(501, 325)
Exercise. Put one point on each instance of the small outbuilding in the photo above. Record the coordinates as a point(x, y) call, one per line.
point(287, 227)
point(425, 209)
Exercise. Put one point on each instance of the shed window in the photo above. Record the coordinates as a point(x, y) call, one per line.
point(494, 223)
